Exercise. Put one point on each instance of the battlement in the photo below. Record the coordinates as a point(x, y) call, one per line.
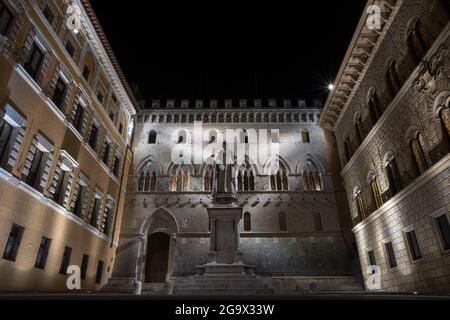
point(234, 103)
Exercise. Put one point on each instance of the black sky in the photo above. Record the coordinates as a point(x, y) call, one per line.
point(197, 50)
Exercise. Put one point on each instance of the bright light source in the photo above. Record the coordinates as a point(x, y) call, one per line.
point(75, 31)
point(330, 86)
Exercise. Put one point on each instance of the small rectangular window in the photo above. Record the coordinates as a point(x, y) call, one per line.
point(34, 175)
point(86, 73)
point(444, 230)
point(78, 118)
point(34, 61)
point(65, 260)
point(98, 277)
point(105, 157)
point(95, 211)
point(41, 258)
point(93, 137)
point(48, 14)
point(100, 97)
point(78, 206)
point(414, 247)
point(70, 49)
point(13, 243)
point(59, 93)
point(390, 255)
point(372, 260)
point(6, 18)
point(6, 138)
point(84, 266)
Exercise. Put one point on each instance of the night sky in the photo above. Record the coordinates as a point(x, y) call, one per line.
point(228, 50)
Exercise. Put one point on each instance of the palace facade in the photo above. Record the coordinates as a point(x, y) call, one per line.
point(391, 117)
point(65, 111)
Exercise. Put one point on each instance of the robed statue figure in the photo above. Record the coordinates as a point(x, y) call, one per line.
point(224, 186)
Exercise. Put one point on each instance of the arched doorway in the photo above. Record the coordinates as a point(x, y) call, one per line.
point(157, 258)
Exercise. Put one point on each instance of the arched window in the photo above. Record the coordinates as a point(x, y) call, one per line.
point(393, 176)
point(273, 183)
point(240, 181)
point(173, 181)
point(306, 185)
point(444, 116)
point(374, 108)
point(153, 183)
point(312, 176)
point(282, 221)
point(359, 203)
point(305, 136)
point(147, 182)
point(246, 184)
point(416, 44)
point(285, 181)
point(317, 181)
point(348, 147)
point(152, 137)
point(416, 148)
point(359, 130)
point(141, 182)
point(377, 201)
point(318, 221)
point(393, 83)
point(185, 181)
point(279, 181)
point(147, 177)
point(252, 181)
point(180, 181)
point(247, 222)
point(245, 135)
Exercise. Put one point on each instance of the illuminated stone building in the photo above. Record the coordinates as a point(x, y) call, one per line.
point(65, 111)
point(295, 229)
point(390, 114)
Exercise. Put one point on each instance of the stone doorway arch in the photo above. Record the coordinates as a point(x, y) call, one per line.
point(157, 250)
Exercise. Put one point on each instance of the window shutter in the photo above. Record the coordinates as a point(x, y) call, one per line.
point(30, 156)
point(56, 176)
point(46, 173)
point(26, 48)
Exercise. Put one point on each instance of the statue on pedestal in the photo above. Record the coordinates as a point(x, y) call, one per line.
point(224, 184)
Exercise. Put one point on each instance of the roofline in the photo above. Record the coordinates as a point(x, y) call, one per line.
point(355, 38)
point(108, 49)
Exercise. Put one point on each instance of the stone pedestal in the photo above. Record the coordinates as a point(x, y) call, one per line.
point(224, 256)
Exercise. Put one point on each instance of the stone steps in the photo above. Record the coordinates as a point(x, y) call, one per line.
point(220, 285)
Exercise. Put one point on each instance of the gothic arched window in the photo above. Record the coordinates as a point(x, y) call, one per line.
point(375, 192)
point(359, 203)
point(416, 148)
point(141, 182)
point(359, 130)
point(393, 176)
point(252, 181)
point(147, 182)
point(246, 184)
point(240, 182)
point(416, 43)
point(348, 147)
point(312, 176)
